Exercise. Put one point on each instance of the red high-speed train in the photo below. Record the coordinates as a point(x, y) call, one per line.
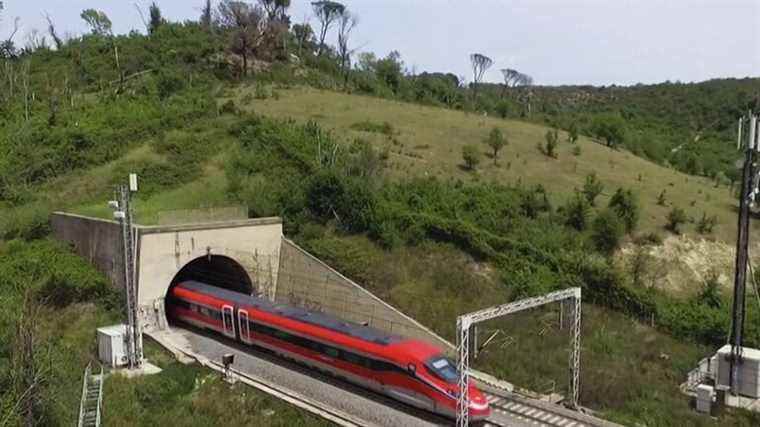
point(411, 371)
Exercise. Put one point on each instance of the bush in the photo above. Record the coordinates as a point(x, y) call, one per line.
point(576, 212)
point(626, 206)
point(592, 188)
point(607, 231)
point(496, 142)
point(384, 128)
point(706, 224)
point(471, 156)
point(552, 139)
point(676, 217)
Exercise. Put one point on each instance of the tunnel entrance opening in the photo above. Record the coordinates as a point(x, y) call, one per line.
point(215, 270)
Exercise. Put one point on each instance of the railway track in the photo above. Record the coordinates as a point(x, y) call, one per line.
point(331, 398)
point(507, 411)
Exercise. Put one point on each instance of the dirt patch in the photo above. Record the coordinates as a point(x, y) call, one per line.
point(682, 264)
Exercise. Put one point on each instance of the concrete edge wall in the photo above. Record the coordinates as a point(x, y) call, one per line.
point(306, 281)
point(95, 239)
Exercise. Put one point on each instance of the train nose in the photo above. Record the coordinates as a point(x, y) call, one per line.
point(479, 407)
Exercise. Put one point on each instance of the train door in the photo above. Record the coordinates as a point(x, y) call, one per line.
point(243, 326)
point(228, 320)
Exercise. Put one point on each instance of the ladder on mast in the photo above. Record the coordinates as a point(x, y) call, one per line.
point(92, 398)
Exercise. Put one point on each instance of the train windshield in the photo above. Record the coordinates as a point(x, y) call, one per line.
point(443, 368)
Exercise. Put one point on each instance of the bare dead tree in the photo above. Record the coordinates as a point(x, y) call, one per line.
point(514, 78)
point(346, 24)
point(29, 374)
point(327, 13)
point(7, 48)
point(480, 64)
point(35, 40)
point(276, 10)
point(207, 17)
point(142, 16)
point(245, 25)
point(53, 33)
point(25, 86)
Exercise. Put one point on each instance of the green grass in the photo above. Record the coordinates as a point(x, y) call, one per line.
point(443, 133)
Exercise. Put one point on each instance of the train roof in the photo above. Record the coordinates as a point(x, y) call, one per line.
point(355, 330)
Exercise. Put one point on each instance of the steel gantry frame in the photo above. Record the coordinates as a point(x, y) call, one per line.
point(466, 321)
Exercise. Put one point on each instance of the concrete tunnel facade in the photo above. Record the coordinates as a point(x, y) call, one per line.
point(249, 256)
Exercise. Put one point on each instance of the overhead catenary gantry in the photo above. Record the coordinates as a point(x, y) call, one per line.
point(466, 321)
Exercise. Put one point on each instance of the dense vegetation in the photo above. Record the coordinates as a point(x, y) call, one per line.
point(75, 119)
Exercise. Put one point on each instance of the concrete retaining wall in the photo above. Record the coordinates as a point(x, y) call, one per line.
point(307, 282)
point(97, 240)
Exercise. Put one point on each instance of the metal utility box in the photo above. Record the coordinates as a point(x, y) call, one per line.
point(112, 347)
point(705, 395)
point(749, 370)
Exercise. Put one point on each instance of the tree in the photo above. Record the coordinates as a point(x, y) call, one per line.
point(607, 231)
point(276, 10)
point(7, 47)
point(206, 19)
point(496, 141)
point(576, 212)
point(156, 20)
point(610, 128)
point(592, 188)
point(626, 205)
point(471, 156)
point(327, 13)
point(98, 21)
point(706, 224)
point(480, 64)
point(514, 78)
point(552, 139)
point(572, 133)
point(390, 70)
point(661, 199)
point(304, 36)
point(346, 24)
point(53, 33)
point(244, 24)
point(676, 217)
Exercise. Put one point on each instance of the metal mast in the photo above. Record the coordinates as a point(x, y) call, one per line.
point(746, 197)
point(124, 214)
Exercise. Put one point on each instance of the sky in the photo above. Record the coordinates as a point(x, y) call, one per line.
point(599, 42)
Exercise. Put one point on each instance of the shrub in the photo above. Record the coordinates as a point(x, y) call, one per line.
point(384, 128)
point(592, 188)
point(661, 201)
point(626, 206)
point(552, 139)
point(706, 224)
point(471, 156)
point(496, 142)
point(572, 133)
point(607, 231)
point(576, 212)
point(676, 217)
point(535, 201)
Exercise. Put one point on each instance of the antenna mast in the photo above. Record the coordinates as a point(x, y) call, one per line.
point(748, 140)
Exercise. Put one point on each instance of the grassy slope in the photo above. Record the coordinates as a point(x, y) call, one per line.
point(429, 142)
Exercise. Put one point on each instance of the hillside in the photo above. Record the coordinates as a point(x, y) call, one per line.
point(374, 185)
point(428, 141)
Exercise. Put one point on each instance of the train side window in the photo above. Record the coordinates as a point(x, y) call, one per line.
point(332, 352)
